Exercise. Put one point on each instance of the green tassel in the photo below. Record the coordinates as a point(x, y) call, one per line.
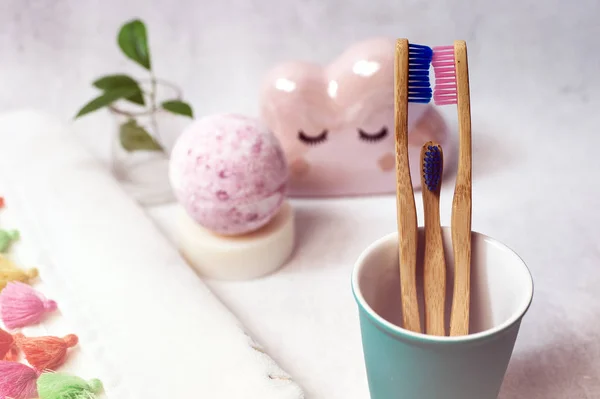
point(6, 238)
point(65, 386)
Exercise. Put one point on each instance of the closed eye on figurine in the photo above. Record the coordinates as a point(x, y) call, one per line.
point(312, 140)
point(373, 137)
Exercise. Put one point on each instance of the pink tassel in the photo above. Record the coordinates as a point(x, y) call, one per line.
point(17, 381)
point(22, 306)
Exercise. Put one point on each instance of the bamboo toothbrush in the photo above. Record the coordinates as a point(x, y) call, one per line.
point(434, 264)
point(452, 87)
point(412, 65)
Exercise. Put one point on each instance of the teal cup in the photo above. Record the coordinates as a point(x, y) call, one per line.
point(402, 364)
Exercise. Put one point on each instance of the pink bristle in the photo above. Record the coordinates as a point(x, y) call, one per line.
point(440, 52)
point(17, 381)
point(444, 92)
point(22, 306)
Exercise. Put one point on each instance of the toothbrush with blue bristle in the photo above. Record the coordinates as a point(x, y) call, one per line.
point(412, 64)
point(452, 87)
point(434, 263)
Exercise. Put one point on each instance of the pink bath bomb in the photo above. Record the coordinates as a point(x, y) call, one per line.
point(229, 173)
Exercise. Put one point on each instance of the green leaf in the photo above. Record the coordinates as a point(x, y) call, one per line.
point(112, 82)
point(133, 41)
point(178, 107)
point(105, 99)
point(133, 137)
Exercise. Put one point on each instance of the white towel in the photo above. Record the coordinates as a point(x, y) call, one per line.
point(147, 322)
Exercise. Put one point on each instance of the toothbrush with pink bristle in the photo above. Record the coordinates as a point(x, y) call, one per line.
point(452, 87)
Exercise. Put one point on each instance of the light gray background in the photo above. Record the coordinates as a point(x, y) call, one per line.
point(527, 53)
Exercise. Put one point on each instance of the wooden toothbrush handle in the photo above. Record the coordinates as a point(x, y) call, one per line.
point(405, 200)
point(434, 262)
point(461, 243)
point(461, 204)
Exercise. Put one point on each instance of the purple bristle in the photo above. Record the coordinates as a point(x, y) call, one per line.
point(432, 167)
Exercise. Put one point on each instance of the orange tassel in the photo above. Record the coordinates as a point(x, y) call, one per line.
point(45, 353)
point(8, 348)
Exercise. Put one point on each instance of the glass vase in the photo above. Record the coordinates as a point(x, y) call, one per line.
point(142, 143)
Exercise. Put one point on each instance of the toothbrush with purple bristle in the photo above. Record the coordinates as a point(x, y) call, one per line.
point(434, 263)
point(452, 87)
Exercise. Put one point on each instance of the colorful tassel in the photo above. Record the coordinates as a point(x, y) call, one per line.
point(21, 306)
point(17, 381)
point(45, 353)
point(64, 386)
point(11, 272)
point(23, 276)
point(8, 346)
point(6, 239)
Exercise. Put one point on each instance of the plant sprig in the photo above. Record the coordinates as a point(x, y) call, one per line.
point(133, 42)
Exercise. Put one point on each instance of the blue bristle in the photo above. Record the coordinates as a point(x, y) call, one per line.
point(417, 73)
point(420, 49)
point(422, 83)
point(419, 63)
point(432, 167)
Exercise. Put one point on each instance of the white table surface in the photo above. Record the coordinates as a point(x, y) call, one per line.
point(535, 187)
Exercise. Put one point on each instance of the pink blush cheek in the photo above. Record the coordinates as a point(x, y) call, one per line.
point(345, 165)
point(373, 151)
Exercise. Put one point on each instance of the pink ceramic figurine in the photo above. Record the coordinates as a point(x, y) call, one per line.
point(336, 123)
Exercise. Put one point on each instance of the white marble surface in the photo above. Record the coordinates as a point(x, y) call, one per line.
point(535, 108)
